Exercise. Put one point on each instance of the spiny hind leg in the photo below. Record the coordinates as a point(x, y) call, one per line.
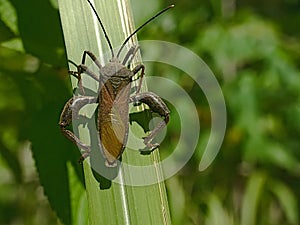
point(156, 105)
point(70, 112)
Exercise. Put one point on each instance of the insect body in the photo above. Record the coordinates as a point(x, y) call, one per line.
point(113, 101)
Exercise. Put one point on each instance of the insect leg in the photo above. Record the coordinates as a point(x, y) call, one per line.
point(132, 52)
point(129, 53)
point(156, 105)
point(135, 71)
point(82, 68)
point(93, 57)
point(69, 112)
point(77, 75)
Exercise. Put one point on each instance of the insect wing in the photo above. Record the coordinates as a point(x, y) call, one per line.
point(113, 121)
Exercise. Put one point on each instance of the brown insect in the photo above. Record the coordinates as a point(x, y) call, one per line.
point(113, 100)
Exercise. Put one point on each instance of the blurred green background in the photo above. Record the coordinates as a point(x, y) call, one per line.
point(253, 48)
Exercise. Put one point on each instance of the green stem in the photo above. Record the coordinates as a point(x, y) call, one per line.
point(116, 203)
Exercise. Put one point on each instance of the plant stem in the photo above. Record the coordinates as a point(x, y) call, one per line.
point(115, 203)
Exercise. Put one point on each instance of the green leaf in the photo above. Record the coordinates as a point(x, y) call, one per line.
point(217, 213)
point(39, 28)
point(251, 199)
point(33, 95)
point(51, 151)
point(78, 198)
point(287, 200)
point(8, 15)
point(112, 202)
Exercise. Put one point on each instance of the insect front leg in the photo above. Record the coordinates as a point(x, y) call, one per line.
point(156, 105)
point(131, 52)
point(93, 57)
point(82, 68)
point(71, 111)
point(135, 71)
point(128, 59)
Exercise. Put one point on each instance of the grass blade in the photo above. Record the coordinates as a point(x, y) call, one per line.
point(116, 203)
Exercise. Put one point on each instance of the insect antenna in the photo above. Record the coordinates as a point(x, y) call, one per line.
point(102, 27)
point(140, 27)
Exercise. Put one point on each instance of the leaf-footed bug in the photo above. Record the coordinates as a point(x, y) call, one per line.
point(113, 100)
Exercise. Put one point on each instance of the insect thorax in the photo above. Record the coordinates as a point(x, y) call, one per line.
point(116, 73)
point(115, 76)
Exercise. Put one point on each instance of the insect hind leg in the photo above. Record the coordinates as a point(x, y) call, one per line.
point(70, 112)
point(156, 105)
